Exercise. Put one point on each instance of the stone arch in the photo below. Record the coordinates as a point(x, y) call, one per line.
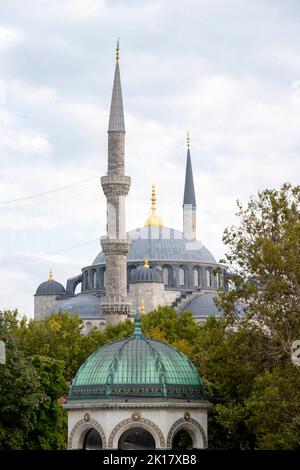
point(130, 268)
point(140, 422)
point(102, 277)
point(189, 425)
point(167, 274)
point(182, 276)
point(208, 277)
point(196, 276)
point(78, 432)
point(85, 283)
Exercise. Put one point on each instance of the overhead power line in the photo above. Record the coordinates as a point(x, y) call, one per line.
point(30, 200)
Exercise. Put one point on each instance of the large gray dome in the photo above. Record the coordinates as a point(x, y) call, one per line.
point(83, 305)
point(50, 287)
point(163, 244)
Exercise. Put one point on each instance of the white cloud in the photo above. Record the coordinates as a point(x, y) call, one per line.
point(198, 67)
point(9, 38)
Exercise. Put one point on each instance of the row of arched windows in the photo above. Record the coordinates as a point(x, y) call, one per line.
point(202, 277)
point(197, 277)
point(93, 280)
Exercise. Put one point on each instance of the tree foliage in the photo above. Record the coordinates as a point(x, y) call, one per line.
point(20, 390)
point(264, 260)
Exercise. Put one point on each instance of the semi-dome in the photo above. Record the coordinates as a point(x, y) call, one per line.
point(163, 244)
point(145, 274)
point(202, 305)
point(50, 287)
point(137, 367)
point(83, 305)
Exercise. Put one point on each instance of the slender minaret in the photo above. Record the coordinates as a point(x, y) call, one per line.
point(189, 200)
point(115, 304)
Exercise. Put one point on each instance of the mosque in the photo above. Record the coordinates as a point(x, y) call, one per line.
point(152, 265)
point(137, 393)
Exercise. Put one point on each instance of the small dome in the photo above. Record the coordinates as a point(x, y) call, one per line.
point(145, 274)
point(50, 287)
point(114, 371)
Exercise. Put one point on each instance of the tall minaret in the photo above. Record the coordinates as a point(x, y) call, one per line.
point(189, 200)
point(115, 304)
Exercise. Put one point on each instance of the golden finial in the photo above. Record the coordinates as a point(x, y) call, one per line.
point(146, 264)
point(153, 198)
point(154, 220)
point(188, 142)
point(118, 51)
point(142, 307)
point(50, 276)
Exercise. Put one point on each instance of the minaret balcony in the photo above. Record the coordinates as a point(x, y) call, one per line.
point(115, 246)
point(115, 185)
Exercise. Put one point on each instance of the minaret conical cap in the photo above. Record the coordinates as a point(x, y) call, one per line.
point(116, 116)
point(189, 190)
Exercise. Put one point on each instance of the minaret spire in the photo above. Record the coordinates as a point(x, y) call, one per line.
point(116, 117)
point(189, 199)
point(116, 304)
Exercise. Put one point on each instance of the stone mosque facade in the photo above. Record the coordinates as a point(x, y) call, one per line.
point(153, 265)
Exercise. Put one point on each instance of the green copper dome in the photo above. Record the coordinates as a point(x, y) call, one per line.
point(137, 367)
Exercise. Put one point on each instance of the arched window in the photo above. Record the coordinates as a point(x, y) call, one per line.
point(101, 278)
point(129, 271)
point(196, 277)
point(94, 279)
point(92, 440)
point(218, 283)
point(77, 288)
point(86, 280)
point(221, 279)
point(182, 441)
point(88, 326)
point(136, 439)
point(208, 278)
point(181, 274)
point(167, 275)
point(104, 278)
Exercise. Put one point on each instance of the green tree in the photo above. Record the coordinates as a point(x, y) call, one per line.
point(21, 393)
point(246, 358)
point(164, 324)
point(58, 337)
point(273, 408)
point(50, 431)
point(263, 256)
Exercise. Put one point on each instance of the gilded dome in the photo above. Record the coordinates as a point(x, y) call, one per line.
point(137, 367)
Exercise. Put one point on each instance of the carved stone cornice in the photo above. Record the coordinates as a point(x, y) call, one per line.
point(113, 308)
point(115, 246)
point(115, 185)
point(204, 405)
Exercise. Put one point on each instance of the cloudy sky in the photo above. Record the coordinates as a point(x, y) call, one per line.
point(227, 70)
